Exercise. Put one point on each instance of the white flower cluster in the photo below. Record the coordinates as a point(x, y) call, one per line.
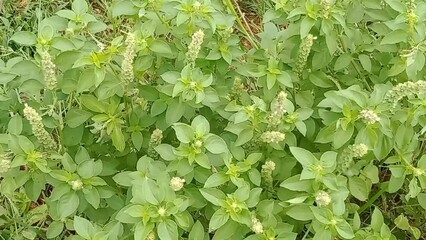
point(322, 198)
point(406, 89)
point(272, 137)
point(161, 211)
point(304, 51)
point(256, 226)
point(194, 47)
point(325, 4)
point(151, 236)
point(278, 110)
point(369, 116)
point(38, 128)
point(269, 166)
point(127, 64)
point(76, 184)
point(359, 150)
point(4, 164)
point(266, 173)
point(176, 183)
point(49, 70)
point(155, 140)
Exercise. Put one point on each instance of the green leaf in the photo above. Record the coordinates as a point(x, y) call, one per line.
point(303, 156)
point(300, 212)
point(342, 136)
point(203, 160)
point(80, 6)
point(120, 8)
point(15, 125)
point(54, 229)
point(68, 204)
point(200, 125)
point(158, 107)
point(184, 220)
point(83, 227)
point(245, 136)
point(76, 117)
point(219, 218)
point(305, 26)
point(93, 104)
point(359, 188)
point(395, 36)
point(86, 80)
point(68, 163)
point(214, 196)
point(254, 197)
point(295, 184)
point(215, 144)
point(184, 132)
point(118, 139)
point(342, 61)
point(24, 38)
point(216, 179)
point(137, 140)
point(166, 152)
point(345, 230)
point(161, 47)
point(197, 232)
point(421, 198)
point(142, 231)
point(377, 220)
point(123, 178)
point(92, 197)
point(174, 112)
point(365, 62)
point(167, 230)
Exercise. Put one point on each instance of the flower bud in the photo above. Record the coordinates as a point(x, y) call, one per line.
point(256, 226)
point(151, 236)
point(176, 183)
point(156, 138)
point(269, 166)
point(197, 6)
point(237, 90)
point(369, 116)
point(359, 150)
point(418, 172)
point(322, 198)
point(76, 185)
point(161, 211)
point(5, 162)
point(198, 143)
point(272, 137)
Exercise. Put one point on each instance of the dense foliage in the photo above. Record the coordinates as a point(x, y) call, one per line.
point(176, 119)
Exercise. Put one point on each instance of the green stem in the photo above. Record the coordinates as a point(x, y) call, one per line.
point(383, 188)
point(306, 233)
point(160, 17)
point(355, 67)
point(240, 24)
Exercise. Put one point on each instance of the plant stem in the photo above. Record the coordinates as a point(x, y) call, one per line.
point(240, 23)
point(383, 188)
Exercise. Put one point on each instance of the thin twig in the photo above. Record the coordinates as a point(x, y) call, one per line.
point(242, 15)
point(241, 25)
